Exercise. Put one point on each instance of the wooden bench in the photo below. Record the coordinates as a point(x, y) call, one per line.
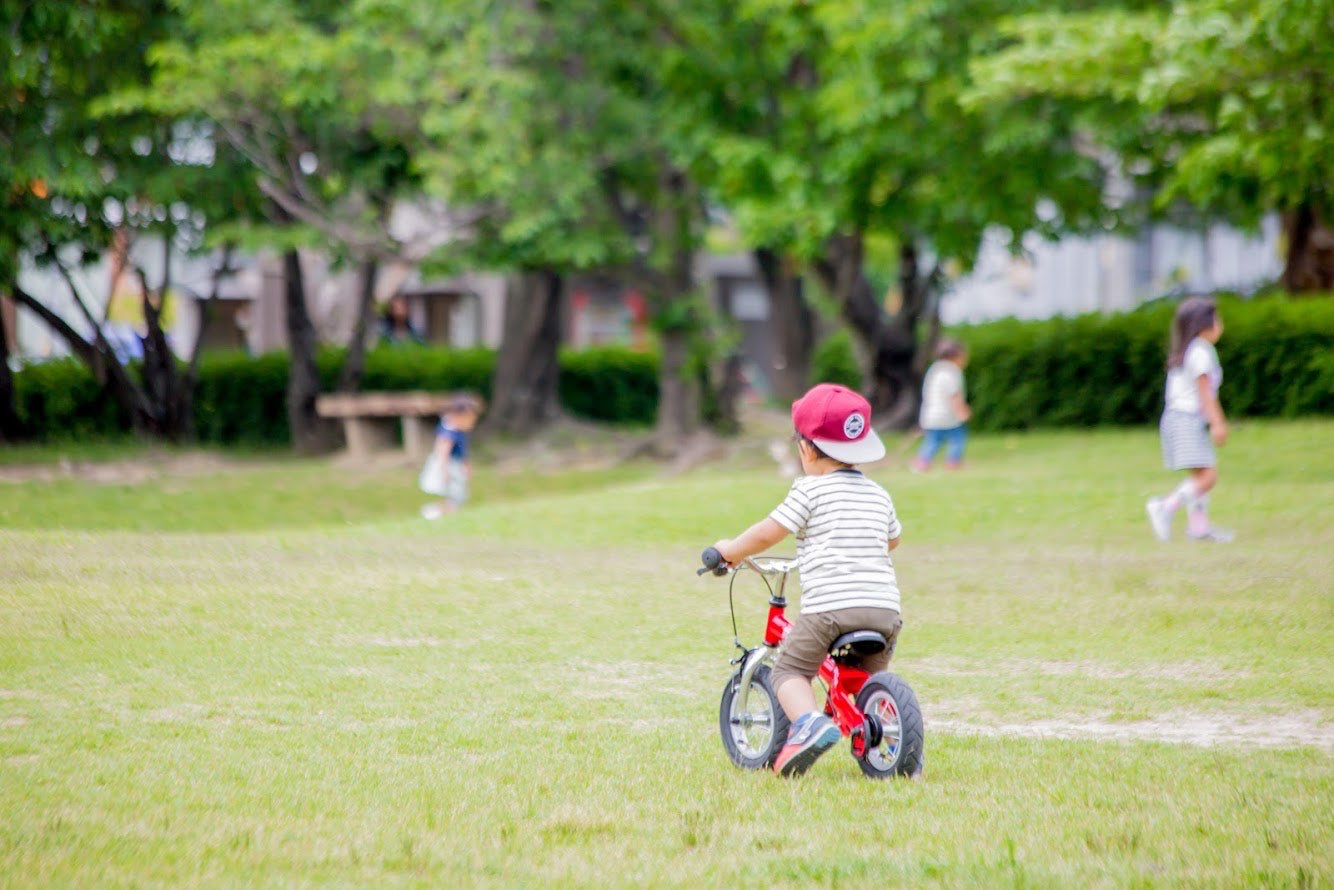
point(369, 419)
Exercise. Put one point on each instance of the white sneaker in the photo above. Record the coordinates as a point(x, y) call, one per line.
point(1160, 518)
point(1217, 535)
point(432, 511)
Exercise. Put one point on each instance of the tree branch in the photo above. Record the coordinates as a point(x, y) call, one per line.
point(98, 337)
point(256, 155)
point(77, 344)
point(120, 252)
point(106, 367)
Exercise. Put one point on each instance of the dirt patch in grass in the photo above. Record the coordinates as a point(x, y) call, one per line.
point(186, 713)
point(388, 642)
point(1300, 729)
point(1191, 672)
point(119, 472)
point(1272, 728)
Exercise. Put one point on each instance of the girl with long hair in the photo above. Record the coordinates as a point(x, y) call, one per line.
point(1192, 422)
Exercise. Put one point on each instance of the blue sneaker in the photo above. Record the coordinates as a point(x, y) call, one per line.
point(809, 737)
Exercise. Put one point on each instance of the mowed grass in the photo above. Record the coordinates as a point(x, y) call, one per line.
point(269, 671)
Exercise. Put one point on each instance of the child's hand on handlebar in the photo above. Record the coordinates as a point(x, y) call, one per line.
point(756, 539)
point(713, 562)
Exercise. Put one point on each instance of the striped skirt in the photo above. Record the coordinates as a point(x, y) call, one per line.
point(1186, 442)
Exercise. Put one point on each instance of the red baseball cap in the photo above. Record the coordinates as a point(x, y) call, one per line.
point(838, 421)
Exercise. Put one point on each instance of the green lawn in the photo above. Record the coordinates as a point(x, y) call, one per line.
point(263, 671)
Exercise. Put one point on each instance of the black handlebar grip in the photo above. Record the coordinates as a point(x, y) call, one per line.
point(713, 562)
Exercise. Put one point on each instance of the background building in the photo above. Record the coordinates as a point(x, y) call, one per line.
point(1110, 272)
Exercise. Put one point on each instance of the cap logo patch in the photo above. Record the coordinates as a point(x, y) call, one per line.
point(853, 426)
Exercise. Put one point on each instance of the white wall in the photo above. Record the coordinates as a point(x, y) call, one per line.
point(1109, 272)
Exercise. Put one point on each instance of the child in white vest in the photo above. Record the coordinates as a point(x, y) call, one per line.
point(944, 409)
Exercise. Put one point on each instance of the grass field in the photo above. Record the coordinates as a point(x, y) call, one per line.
point(220, 670)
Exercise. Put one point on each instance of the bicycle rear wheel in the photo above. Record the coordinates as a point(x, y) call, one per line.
point(892, 702)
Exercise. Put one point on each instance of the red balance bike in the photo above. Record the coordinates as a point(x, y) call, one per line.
point(878, 712)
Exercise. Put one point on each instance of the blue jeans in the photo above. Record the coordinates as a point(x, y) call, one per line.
point(953, 438)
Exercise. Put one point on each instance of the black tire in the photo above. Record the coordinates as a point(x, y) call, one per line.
point(752, 740)
point(901, 751)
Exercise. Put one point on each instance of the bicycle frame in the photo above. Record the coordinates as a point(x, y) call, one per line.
point(841, 682)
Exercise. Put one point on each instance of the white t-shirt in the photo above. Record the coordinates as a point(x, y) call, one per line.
point(843, 523)
point(1183, 391)
point(943, 379)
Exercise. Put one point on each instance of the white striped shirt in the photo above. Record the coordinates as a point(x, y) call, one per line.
point(843, 523)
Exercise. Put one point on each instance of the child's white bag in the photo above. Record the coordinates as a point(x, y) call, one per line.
point(432, 478)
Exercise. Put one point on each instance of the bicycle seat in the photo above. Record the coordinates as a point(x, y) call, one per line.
point(858, 644)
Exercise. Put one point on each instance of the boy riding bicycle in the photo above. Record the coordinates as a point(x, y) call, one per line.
point(845, 526)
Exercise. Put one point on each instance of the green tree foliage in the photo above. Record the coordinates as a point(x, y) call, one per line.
point(523, 134)
point(558, 129)
point(77, 182)
point(511, 137)
point(1224, 104)
point(862, 141)
point(841, 127)
point(291, 88)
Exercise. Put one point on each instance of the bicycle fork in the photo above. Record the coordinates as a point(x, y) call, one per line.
point(749, 665)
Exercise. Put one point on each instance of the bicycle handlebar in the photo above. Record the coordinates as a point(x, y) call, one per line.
point(713, 562)
point(768, 565)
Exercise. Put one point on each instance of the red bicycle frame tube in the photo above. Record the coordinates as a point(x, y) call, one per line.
point(777, 626)
point(842, 681)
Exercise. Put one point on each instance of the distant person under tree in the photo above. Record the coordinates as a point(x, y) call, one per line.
point(395, 324)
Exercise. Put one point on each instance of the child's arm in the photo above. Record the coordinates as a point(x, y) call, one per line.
point(1213, 411)
point(756, 539)
point(894, 542)
point(961, 409)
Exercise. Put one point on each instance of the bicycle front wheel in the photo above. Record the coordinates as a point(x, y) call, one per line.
point(754, 735)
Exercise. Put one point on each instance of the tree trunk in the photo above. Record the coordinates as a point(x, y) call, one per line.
point(727, 386)
point(678, 394)
point(10, 428)
point(160, 381)
point(525, 391)
point(1310, 262)
point(678, 384)
point(349, 378)
point(792, 324)
point(888, 343)
point(185, 406)
point(310, 434)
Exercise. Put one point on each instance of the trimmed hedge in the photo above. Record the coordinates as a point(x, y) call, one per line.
point(242, 400)
point(835, 361)
point(610, 383)
point(1100, 369)
point(1277, 356)
point(61, 398)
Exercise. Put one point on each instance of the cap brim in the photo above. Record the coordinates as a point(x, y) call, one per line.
point(866, 450)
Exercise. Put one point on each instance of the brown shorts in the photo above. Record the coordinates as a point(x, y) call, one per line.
point(807, 642)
